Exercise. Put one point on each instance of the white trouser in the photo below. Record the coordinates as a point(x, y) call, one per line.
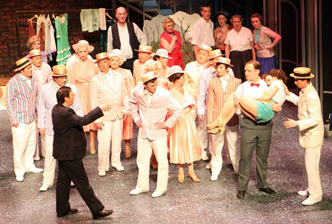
point(50, 162)
point(111, 132)
point(312, 157)
point(43, 145)
point(205, 139)
point(144, 151)
point(24, 144)
point(232, 135)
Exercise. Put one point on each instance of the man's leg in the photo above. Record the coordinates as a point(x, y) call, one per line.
point(104, 143)
point(62, 190)
point(312, 158)
point(49, 166)
point(144, 152)
point(232, 135)
point(160, 149)
point(216, 155)
point(31, 144)
point(117, 126)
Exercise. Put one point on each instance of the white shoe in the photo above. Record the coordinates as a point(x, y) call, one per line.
point(204, 156)
point(208, 166)
point(102, 173)
point(35, 170)
point(19, 178)
point(44, 187)
point(303, 193)
point(158, 194)
point(309, 201)
point(137, 191)
point(119, 168)
point(214, 177)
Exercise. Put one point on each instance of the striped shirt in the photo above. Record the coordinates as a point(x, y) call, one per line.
point(21, 100)
point(47, 100)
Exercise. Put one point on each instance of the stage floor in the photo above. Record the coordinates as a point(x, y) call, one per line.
point(204, 202)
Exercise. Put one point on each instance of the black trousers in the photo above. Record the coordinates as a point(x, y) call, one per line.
point(74, 170)
point(128, 64)
point(254, 136)
point(239, 59)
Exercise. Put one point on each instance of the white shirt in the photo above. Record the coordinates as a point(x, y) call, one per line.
point(124, 39)
point(27, 80)
point(203, 33)
point(239, 41)
point(224, 81)
point(280, 95)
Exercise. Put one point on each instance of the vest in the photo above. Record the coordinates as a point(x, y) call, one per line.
point(132, 38)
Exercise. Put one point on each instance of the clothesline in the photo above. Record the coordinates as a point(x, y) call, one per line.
point(52, 11)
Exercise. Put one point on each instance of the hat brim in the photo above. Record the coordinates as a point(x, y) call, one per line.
point(116, 55)
point(156, 76)
point(23, 66)
point(143, 51)
point(163, 56)
point(75, 46)
point(301, 77)
point(59, 75)
point(178, 72)
point(96, 61)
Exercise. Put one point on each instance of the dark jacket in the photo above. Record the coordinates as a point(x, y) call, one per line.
point(69, 139)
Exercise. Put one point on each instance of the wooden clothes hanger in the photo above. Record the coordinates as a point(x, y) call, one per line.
point(34, 17)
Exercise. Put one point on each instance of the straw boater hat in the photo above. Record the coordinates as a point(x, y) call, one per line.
point(101, 56)
point(148, 76)
point(117, 53)
point(22, 63)
point(144, 49)
point(161, 53)
point(205, 47)
point(59, 70)
point(83, 43)
point(302, 73)
point(174, 70)
point(223, 60)
point(214, 54)
point(34, 53)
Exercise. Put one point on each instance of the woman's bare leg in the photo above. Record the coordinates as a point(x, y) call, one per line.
point(93, 135)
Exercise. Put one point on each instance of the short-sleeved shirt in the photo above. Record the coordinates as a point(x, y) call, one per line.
point(203, 33)
point(239, 41)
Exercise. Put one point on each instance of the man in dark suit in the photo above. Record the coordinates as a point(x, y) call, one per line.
point(69, 148)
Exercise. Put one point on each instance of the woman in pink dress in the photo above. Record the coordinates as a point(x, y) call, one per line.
point(116, 60)
point(171, 41)
point(183, 142)
point(161, 56)
point(81, 69)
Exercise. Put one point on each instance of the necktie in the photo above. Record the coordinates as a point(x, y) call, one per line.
point(254, 84)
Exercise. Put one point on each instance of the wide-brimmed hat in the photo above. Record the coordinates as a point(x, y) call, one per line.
point(102, 56)
point(144, 49)
point(117, 53)
point(174, 70)
point(22, 63)
point(83, 43)
point(161, 53)
point(148, 76)
point(223, 60)
point(205, 47)
point(59, 70)
point(302, 73)
point(214, 54)
point(34, 53)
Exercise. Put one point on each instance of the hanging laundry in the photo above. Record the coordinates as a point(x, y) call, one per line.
point(102, 18)
point(103, 36)
point(41, 31)
point(50, 46)
point(63, 48)
point(32, 31)
point(90, 20)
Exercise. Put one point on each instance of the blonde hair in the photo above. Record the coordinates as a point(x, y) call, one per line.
point(149, 64)
point(87, 48)
point(168, 20)
point(120, 59)
point(32, 40)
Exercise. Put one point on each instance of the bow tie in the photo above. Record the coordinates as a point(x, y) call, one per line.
point(254, 84)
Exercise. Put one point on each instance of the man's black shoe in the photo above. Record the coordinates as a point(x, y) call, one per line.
point(102, 213)
point(240, 194)
point(70, 212)
point(267, 190)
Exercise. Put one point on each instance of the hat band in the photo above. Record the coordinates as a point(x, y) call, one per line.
point(24, 63)
point(302, 74)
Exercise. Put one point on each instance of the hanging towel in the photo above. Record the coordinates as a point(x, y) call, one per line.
point(90, 20)
point(102, 18)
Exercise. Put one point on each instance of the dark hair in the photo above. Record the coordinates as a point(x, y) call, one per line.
point(259, 16)
point(224, 13)
point(255, 63)
point(175, 77)
point(156, 57)
point(205, 5)
point(237, 16)
point(220, 63)
point(150, 81)
point(280, 74)
point(62, 93)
